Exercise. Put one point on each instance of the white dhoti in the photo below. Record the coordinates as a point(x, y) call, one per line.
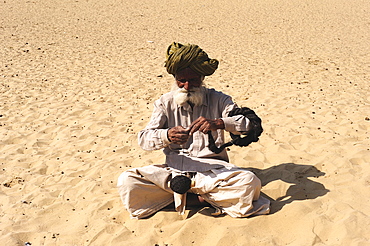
point(231, 190)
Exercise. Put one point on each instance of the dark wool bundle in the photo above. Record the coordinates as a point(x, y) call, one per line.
point(252, 136)
point(180, 184)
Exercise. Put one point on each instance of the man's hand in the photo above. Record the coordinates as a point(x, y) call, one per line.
point(178, 135)
point(205, 125)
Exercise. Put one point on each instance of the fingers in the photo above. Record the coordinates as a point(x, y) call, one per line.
point(178, 135)
point(191, 127)
point(201, 124)
point(178, 141)
point(195, 127)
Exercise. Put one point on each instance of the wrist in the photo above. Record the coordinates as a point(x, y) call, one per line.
point(220, 124)
point(165, 137)
point(168, 136)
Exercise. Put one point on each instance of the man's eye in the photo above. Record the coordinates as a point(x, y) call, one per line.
point(197, 82)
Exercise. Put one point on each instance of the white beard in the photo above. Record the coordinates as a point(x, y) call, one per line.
point(194, 96)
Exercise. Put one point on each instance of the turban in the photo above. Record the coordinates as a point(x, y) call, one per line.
point(181, 56)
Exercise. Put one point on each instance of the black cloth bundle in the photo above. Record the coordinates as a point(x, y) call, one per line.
point(180, 184)
point(252, 136)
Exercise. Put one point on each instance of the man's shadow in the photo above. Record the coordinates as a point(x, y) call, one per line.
point(298, 175)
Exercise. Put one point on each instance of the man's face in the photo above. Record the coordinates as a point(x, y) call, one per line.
point(189, 87)
point(188, 79)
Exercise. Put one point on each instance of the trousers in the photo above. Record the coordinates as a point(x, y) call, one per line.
point(230, 190)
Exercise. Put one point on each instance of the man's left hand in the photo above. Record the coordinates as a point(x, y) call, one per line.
point(205, 125)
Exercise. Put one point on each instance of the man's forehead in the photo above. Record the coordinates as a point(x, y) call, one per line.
point(187, 73)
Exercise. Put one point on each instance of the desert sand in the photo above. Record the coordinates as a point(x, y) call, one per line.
point(78, 79)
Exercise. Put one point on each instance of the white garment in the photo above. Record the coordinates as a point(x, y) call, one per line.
point(228, 188)
point(231, 190)
point(168, 114)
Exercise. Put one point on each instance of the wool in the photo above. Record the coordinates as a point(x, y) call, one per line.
point(253, 134)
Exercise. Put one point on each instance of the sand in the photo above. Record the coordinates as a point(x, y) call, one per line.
point(78, 80)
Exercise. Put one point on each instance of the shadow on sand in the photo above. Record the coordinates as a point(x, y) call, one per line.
point(298, 175)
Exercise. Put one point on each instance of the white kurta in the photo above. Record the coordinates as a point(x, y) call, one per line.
point(228, 188)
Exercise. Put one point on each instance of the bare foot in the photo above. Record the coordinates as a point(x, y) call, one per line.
point(194, 200)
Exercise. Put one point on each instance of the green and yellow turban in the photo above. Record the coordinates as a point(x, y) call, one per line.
point(181, 56)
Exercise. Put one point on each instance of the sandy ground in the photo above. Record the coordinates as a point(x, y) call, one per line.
point(78, 80)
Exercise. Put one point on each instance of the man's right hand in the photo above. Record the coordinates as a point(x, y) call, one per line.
point(178, 135)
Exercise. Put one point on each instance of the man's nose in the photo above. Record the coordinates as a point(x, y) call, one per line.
point(187, 86)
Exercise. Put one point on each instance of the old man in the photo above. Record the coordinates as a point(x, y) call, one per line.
point(179, 125)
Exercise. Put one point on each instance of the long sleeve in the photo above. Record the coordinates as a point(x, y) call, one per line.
point(154, 136)
point(237, 124)
point(167, 114)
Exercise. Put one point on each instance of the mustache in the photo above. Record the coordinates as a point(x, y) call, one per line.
point(194, 95)
point(183, 90)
